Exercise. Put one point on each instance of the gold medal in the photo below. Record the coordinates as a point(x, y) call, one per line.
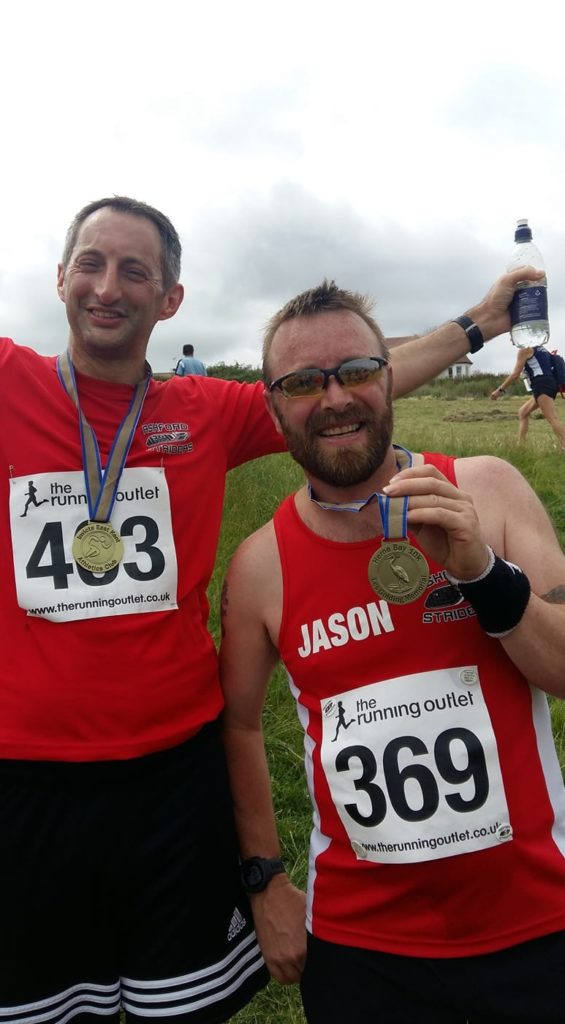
point(97, 547)
point(398, 572)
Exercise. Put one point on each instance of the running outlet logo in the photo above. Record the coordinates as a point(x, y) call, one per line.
point(49, 511)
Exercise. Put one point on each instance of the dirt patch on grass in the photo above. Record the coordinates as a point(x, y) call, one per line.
point(471, 416)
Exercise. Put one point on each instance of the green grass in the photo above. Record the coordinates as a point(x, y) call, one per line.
point(459, 426)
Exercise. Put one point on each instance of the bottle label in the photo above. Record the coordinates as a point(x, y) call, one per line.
point(529, 304)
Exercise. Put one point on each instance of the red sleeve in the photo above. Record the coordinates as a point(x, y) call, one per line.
point(248, 430)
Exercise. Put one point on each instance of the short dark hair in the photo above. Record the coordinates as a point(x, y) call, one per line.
point(325, 297)
point(170, 243)
point(188, 350)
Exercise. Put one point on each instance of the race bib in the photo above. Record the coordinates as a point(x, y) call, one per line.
point(47, 511)
point(412, 766)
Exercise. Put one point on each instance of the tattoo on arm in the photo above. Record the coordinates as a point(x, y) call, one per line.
point(555, 596)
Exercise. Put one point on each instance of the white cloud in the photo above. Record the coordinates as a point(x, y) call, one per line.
point(392, 148)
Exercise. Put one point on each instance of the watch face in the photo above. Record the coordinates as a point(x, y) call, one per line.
point(254, 876)
point(256, 872)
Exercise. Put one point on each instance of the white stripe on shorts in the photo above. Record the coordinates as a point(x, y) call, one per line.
point(169, 997)
point(58, 1009)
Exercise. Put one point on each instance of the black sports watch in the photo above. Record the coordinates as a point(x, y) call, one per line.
point(473, 332)
point(257, 872)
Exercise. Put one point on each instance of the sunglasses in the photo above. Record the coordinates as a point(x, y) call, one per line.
point(313, 381)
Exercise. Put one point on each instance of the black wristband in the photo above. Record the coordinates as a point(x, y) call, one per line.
point(499, 597)
point(473, 332)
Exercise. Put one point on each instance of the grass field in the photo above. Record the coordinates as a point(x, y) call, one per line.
point(465, 426)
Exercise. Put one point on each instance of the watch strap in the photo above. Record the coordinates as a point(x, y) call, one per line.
point(472, 330)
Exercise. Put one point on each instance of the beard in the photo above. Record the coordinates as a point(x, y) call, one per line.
point(346, 466)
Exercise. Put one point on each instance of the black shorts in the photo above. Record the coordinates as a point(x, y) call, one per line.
point(119, 887)
point(544, 385)
point(519, 985)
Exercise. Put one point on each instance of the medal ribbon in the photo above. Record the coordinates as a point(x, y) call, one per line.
point(394, 511)
point(102, 485)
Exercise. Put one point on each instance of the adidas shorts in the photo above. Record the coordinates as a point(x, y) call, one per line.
point(119, 888)
point(522, 985)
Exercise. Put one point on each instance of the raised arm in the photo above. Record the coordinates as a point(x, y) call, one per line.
point(494, 505)
point(421, 359)
point(247, 659)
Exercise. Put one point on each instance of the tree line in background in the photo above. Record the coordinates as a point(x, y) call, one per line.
point(475, 385)
point(235, 371)
point(226, 371)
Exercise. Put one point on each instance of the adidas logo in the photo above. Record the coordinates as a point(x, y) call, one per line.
point(236, 924)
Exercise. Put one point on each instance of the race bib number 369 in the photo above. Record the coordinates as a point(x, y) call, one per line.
point(413, 769)
point(47, 511)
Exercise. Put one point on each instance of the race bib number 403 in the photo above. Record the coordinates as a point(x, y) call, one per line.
point(413, 769)
point(47, 512)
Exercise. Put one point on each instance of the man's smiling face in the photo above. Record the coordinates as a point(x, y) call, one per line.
point(113, 288)
point(342, 436)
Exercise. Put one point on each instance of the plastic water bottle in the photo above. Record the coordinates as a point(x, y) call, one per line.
point(528, 310)
point(526, 380)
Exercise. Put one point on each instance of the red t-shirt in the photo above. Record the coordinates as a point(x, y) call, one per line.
point(112, 678)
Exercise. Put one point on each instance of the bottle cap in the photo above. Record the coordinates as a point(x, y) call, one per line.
point(523, 233)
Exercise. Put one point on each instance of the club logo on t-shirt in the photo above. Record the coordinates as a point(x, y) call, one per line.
point(168, 438)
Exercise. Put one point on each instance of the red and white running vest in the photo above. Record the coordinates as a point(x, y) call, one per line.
point(439, 806)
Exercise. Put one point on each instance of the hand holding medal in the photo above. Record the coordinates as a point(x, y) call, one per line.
point(397, 571)
point(440, 515)
point(443, 518)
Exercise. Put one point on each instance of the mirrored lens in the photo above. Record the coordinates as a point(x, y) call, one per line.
point(303, 383)
point(358, 371)
point(311, 381)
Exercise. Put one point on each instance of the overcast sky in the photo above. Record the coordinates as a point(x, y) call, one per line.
point(389, 146)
